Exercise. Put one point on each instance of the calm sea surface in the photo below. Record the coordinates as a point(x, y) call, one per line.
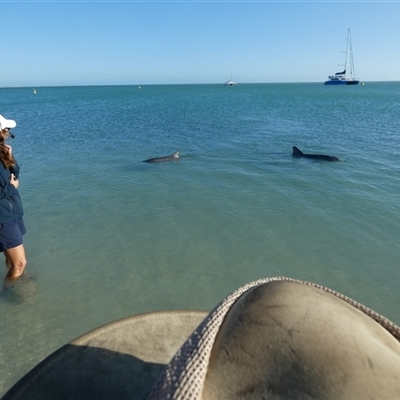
point(110, 236)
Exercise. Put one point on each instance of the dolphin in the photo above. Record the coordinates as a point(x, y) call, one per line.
point(172, 157)
point(298, 153)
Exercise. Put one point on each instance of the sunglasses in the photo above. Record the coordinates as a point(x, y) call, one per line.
point(12, 136)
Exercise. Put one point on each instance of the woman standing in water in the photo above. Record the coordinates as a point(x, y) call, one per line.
point(12, 227)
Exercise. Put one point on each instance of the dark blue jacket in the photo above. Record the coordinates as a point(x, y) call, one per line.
point(10, 202)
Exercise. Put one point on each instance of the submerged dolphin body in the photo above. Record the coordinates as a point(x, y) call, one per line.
point(173, 157)
point(298, 153)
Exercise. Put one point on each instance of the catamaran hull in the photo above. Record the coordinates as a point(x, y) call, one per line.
point(341, 82)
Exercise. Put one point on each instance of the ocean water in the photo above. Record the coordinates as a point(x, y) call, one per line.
point(110, 236)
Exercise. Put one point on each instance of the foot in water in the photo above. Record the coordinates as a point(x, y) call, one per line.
point(8, 283)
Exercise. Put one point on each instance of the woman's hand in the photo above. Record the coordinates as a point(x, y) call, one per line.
point(14, 182)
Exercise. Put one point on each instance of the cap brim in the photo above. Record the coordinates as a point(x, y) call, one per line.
point(7, 123)
point(130, 353)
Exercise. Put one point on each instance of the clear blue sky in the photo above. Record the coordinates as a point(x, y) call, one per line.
point(51, 43)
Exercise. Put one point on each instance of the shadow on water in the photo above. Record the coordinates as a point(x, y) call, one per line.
point(23, 290)
point(84, 372)
point(9, 296)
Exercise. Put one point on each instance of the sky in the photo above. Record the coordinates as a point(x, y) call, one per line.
point(63, 43)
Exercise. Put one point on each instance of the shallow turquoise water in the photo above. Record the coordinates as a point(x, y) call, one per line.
point(110, 236)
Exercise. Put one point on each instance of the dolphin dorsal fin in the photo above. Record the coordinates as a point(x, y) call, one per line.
point(297, 152)
point(176, 154)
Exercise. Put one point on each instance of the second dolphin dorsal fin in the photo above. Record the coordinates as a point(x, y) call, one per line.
point(297, 152)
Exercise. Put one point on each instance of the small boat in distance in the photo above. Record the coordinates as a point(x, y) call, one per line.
point(230, 82)
point(347, 76)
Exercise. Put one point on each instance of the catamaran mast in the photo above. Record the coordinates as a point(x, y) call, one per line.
point(350, 48)
point(346, 57)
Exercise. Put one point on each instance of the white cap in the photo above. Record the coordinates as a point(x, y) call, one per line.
point(7, 123)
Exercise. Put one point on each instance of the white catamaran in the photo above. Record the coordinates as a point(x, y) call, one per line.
point(347, 76)
point(230, 82)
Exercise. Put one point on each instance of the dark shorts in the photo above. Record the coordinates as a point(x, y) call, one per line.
point(11, 234)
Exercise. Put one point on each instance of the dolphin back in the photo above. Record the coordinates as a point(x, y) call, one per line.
point(325, 157)
point(172, 157)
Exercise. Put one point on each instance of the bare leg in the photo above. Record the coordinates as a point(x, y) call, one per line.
point(16, 263)
point(8, 261)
